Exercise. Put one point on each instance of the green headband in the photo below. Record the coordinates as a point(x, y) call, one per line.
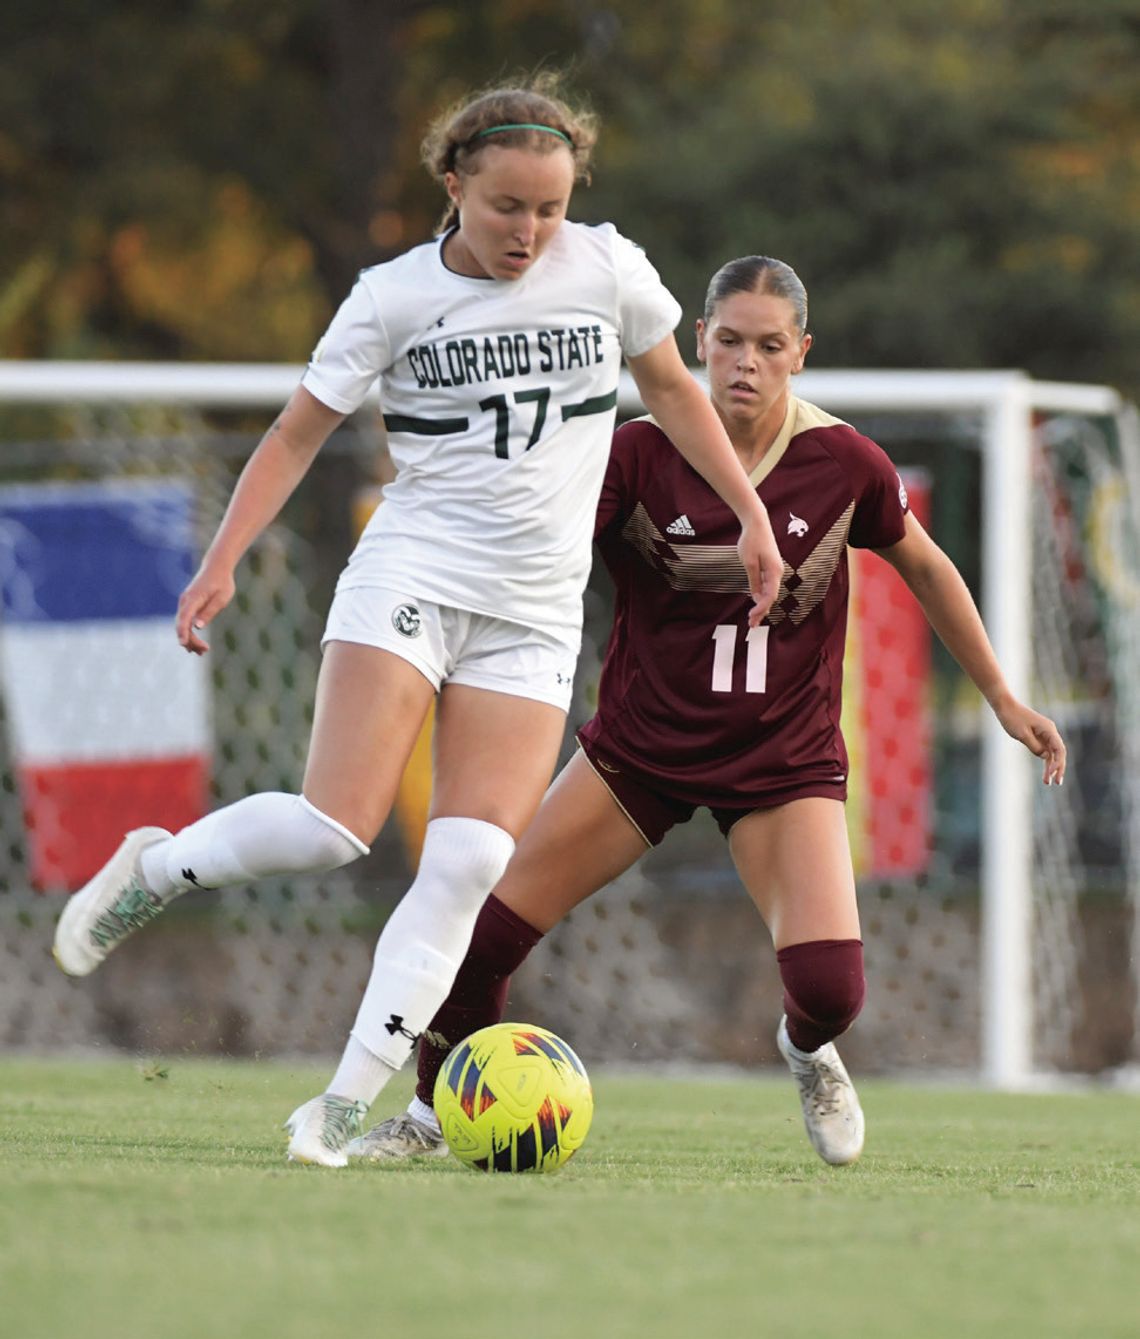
point(527, 125)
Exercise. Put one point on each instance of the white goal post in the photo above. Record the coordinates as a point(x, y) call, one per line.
point(1005, 404)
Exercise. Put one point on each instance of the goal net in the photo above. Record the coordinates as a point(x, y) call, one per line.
point(999, 917)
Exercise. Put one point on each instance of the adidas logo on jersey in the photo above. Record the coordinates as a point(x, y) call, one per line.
point(680, 526)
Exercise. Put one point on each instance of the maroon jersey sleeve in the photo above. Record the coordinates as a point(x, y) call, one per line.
point(881, 505)
point(619, 491)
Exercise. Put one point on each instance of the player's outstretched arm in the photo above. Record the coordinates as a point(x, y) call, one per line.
point(690, 422)
point(950, 609)
point(276, 467)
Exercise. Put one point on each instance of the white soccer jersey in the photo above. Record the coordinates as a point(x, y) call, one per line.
point(499, 398)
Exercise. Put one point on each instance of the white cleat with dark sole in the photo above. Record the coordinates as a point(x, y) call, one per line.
point(109, 907)
point(322, 1128)
point(833, 1117)
point(399, 1137)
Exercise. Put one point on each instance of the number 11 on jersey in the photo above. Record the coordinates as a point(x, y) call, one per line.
point(756, 658)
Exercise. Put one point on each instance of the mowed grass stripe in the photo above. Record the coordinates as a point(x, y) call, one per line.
point(162, 1207)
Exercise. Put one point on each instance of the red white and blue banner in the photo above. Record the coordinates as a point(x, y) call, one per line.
point(107, 716)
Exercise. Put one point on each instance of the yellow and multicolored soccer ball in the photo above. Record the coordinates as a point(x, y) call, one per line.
point(513, 1098)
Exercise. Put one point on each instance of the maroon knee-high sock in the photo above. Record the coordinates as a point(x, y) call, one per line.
point(823, 989)
point(500, 942)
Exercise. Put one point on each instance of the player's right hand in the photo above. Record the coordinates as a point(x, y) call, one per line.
point(760, 555)
point(207, 595)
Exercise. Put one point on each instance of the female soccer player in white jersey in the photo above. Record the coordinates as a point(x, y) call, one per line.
point(497, 348)
point(697, 708)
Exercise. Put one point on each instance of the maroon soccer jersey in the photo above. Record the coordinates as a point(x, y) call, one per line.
point(690, 697)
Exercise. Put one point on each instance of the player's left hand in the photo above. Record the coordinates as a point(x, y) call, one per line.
point(1039, 735)
point(762, 561)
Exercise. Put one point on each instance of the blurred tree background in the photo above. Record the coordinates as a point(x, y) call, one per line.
point(958, 183)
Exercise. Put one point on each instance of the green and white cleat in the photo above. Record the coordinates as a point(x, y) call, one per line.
point(322, 1127)
point(109, 907)
point(399, 1137)
point(832, 1114)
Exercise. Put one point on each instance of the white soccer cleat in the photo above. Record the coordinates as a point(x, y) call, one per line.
point(398, 1137)
point(109, 907)
point(832, 1114)
point(322, 1128)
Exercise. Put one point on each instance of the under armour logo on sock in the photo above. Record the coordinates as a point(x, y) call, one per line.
point(188, 875)
point(396, 1024)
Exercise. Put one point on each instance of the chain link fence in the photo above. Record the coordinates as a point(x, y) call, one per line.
point(671, 963)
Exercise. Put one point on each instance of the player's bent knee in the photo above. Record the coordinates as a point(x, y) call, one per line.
point(500, 942)
point(835, 1006)
point(463, 858)
point(333, 844)
point(824, 989)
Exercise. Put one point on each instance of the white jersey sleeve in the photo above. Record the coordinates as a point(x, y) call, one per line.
point(352, 354)
point(647, 311)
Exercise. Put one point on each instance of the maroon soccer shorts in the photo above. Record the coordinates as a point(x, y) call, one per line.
point(653, 810)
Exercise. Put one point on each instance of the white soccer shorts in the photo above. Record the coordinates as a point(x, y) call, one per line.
point(455, 645)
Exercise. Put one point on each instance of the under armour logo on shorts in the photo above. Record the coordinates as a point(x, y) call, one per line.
point(406, 620)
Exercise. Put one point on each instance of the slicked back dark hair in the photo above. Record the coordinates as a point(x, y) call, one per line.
point(758, 274)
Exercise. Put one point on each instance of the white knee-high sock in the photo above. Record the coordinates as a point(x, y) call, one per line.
point(261, 835)
point(420, 950)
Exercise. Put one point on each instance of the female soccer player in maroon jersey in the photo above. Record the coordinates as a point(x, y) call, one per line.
point(698, 708)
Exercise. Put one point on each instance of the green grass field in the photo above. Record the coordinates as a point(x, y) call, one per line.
point(135, 1205)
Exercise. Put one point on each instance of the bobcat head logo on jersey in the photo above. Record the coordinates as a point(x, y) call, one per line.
point(406, 620)
point(797, 525)
point(902, 492)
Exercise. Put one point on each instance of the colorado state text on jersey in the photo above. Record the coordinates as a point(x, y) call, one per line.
point(460, 362)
